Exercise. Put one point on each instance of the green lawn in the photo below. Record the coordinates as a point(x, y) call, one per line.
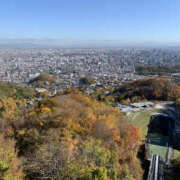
point(141, 119)
point(158, 150)
point(176, 154)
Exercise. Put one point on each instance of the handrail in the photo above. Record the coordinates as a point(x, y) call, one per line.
point(156, 169)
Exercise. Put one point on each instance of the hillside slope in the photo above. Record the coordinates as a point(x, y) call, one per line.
point(72, 136)
point(147, 89)
point(42, 80)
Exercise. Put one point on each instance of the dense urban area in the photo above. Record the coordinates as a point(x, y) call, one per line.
point(107, 66)
point(20, 65)
point(89, 113)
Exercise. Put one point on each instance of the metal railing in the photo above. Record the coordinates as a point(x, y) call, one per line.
point(156, 169)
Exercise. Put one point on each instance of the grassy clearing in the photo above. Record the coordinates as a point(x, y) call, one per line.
point(176, 154)
point(159, 150)
point(141, 119)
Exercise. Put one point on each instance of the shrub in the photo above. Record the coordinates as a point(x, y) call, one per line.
point(10, 164)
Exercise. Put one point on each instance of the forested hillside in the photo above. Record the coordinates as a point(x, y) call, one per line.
point(42, 80)
point(156, 70)
point(12, 99)
point(73, 135)
point(69, 136)
point(147, 89)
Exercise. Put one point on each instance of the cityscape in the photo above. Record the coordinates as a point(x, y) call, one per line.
point(90, 90)
point(108, 66)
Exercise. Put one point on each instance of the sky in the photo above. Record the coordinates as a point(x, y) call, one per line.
point(92, 20)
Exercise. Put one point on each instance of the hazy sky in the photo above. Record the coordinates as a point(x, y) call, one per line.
point(126, 20)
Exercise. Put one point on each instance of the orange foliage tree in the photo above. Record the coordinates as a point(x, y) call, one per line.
point(64, 131)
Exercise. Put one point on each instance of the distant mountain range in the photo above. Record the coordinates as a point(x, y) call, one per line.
point(52, 42)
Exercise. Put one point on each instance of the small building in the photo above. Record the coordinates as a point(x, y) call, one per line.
point(41, 90)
